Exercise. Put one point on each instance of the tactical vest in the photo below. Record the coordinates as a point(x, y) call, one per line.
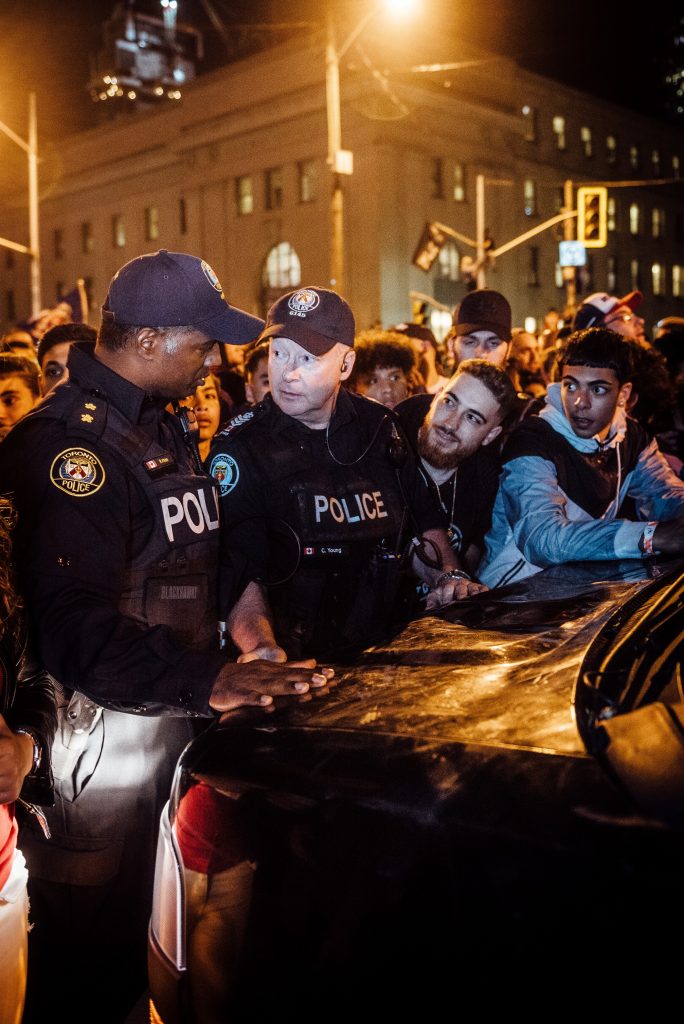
point(171, 580)
point(333, 570)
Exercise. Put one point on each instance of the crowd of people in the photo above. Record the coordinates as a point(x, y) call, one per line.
point(209, 511)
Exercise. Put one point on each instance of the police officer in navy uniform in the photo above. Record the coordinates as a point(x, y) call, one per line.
point(116, 549)
point(320, 500)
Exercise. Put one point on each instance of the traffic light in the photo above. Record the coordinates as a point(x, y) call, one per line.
point(592, 206)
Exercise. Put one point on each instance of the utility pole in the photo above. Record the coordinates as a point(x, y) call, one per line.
point(480, 229)
point(569, 234)
point(30, 147)
point(332, 88)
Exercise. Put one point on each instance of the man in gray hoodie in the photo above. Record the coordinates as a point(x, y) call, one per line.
point(582, 480)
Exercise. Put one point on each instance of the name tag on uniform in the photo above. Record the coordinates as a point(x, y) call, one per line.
point(324, 550)
point(162, 464)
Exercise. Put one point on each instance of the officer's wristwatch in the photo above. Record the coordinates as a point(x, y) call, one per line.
point(37, 748)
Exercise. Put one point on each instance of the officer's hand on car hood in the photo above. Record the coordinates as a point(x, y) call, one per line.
point(258, 682)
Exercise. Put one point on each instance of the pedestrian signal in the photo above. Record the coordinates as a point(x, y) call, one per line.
point(592, 207)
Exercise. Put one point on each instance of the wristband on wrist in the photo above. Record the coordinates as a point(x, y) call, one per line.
point(646, 542)
point(37, 749)
point(451, 574)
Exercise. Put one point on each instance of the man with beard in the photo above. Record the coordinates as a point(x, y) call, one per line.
point(452, 432)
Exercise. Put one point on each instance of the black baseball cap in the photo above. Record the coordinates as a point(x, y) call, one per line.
point(315, 318)
point(484, 310)
point(174, 289)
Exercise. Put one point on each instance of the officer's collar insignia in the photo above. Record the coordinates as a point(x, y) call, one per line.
point(160, 464)
point(77, 472)
point(86, 417)
point(90, 405)
point(225, 472)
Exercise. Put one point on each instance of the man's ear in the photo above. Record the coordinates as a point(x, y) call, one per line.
point(347, 366)
point(146, 342)
point(491, 435)
point(625, 393)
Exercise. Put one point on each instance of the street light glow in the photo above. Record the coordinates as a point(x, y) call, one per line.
point(341, 161)
point(402, 8)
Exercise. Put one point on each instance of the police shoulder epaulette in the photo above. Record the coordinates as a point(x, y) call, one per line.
point(239, 422)
point(87, 416)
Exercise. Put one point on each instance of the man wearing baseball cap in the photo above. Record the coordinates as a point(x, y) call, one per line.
point(482, 328)
point(320, 496)
point(604, 310)
point(116, 551)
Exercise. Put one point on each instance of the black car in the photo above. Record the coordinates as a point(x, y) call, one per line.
point(490, 802)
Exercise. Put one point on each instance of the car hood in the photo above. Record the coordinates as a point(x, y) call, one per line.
point(467, 717)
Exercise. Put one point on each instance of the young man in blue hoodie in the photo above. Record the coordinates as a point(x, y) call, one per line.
point(582, 480)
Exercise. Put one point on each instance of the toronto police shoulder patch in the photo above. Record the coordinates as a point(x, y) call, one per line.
point(77, 472)
point(225, 472)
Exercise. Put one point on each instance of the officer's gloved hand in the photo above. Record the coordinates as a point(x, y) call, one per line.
point(265, 653)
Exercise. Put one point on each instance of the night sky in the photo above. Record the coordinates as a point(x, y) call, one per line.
point(589, 44)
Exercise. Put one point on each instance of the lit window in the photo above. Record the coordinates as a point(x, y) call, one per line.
point(151, 223)
point(655, 162)
point(244, 195)
point(437, 178)
point(118, 231)
point(611, 214)
point(282, 268)
point(587, 145)
point(558, 275)
point(274, 188)
point(459, 183)
point(440, 323)
point(676, 167)
point(611, 273)
point(530, 123)
point(658, 279)
point(634, 275)
point(87, 241)
point(306, 170)
point(677, 279)
point(530, 197)
point(634, 157)
point(634, 219)
point(448, 262)
point(559, 132)
point(611, 148)
point(657, 222)
point(559, 200)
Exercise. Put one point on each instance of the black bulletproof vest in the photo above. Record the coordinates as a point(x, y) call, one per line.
point(172, 579)
point(335, 587)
